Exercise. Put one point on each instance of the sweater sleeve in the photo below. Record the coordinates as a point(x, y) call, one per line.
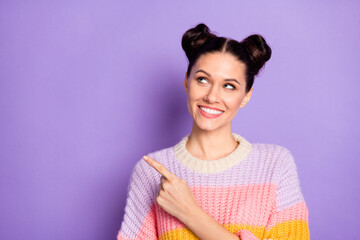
point(289, 218)
point(139, 219)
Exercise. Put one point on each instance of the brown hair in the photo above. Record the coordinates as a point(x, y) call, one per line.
point(253, 51)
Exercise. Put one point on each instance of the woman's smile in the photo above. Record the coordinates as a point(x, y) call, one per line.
point(210, 112)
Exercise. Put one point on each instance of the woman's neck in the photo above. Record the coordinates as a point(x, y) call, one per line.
point(211, 145)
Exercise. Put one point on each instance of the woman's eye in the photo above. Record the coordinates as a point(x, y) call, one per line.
point(202, 79)
point(230, 86)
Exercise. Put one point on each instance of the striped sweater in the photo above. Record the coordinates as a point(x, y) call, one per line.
point(254, 192)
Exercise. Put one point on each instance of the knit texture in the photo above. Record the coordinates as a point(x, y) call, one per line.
point(254, 192)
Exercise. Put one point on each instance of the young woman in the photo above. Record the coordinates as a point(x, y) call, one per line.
point(214, 184)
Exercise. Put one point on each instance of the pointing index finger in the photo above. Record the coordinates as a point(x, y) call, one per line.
point(160, 168)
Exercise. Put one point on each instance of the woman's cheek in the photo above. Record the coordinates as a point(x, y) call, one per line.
point(234, 103)
point(191, 112)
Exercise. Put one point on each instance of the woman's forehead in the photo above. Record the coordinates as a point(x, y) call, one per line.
point(221, 64)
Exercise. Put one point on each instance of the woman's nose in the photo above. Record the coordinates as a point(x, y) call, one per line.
point(212, 95)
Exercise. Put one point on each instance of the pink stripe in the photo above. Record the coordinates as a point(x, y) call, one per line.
point(252, 205)
point(296, 212)
point(148, 229)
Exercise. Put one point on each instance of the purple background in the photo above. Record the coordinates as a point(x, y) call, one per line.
point(88, 87)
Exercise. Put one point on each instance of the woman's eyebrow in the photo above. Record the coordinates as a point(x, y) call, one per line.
point(200, 70)
point(227, 80)
point(232, 80)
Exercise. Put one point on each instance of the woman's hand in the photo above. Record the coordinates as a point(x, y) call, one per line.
point(174, 196)
point(177, 199)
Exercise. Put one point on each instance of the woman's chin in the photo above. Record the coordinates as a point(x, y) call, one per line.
point(207, 127)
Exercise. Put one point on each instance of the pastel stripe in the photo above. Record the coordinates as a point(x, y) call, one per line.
point(184, 233)
point(291, 230)
point(233, 204)
point(261, 166)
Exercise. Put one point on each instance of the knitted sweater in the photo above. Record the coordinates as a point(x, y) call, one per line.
point(254, 192)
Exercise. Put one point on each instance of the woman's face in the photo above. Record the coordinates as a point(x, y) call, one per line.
point(216, 90)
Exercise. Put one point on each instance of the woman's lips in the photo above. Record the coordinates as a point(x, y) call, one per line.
point(210, 112)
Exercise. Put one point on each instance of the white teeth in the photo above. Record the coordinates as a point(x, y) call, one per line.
point(211, 111)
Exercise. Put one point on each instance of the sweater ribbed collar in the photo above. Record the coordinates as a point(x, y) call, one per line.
point(212, 166)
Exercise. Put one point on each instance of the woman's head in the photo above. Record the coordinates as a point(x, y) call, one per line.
point(253, 51)
point(220, 75)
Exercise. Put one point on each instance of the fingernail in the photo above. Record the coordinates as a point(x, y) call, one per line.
point(145, 157)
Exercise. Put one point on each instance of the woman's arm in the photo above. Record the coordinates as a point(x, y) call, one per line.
point(289, 219)
point(205, 227)
point(139, 219)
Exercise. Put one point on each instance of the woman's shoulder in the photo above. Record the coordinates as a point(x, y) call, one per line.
point(261, 147)
point(270, 147)
point(162, 156)
point(274, 158)
point(280, 155)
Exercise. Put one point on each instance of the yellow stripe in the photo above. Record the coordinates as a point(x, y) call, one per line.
point(291, 230)
point(287, 230)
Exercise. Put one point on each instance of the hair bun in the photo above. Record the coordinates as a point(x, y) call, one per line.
point(194, 38)
point(258, 50)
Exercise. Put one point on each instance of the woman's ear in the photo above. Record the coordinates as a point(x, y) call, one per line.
point(186, 83)
point(246, 99)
